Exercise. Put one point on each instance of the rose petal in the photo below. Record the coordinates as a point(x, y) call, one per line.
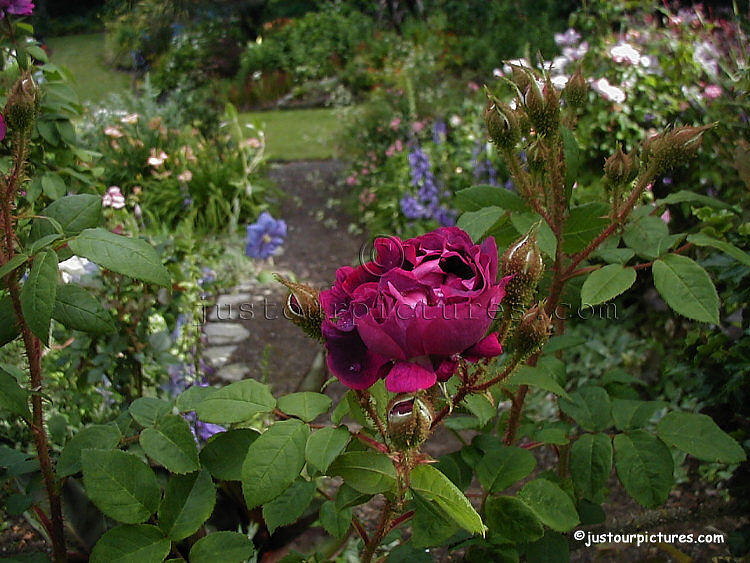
point(488, 347)
point(446, 369)
point(406, 377)
point(349, 359)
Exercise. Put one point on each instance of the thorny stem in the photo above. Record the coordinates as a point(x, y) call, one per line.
point(33, 348)
point(385, 521)
point(365, 401)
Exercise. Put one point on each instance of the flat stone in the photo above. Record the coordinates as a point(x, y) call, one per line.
point(222, 333)
point(233, 372)
point(219, 355)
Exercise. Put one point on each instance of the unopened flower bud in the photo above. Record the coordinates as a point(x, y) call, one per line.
point(502, 124)
point(23, 104)
point(575, 90)
point(619, 168)
point(542, 107)
point(523, 261)
point(669, 149)
point(302, 307)
point(409, 420)
point(520, 77)
point(532, 333)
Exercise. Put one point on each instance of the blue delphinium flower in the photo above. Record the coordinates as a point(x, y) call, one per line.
point(439, 132)
point(426, 204)
point(264, 236)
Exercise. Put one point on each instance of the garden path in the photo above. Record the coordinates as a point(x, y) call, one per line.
point(247, 333)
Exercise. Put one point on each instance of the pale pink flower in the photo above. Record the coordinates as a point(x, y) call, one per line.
point(395, 123)
point(417, 126)
point(157, 159)
point(113, 198)
point(130, 119)
point(472, 86)
point(712, 91)
point(390, 151)
point(666, 217)
point(253, 143)
point(625, 53)
point(351, 180)
point(399, 145)
point(113, 132)
point(185, 176)
point(608, 91)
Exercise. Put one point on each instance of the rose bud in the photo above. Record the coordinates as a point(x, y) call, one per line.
point(663, 152)
point(302, 307)
point(502, 124)
point(532, 333)
point(619, 168)
point(22, 106)
point(409, 421)
point(575, 90)
point(523, 261)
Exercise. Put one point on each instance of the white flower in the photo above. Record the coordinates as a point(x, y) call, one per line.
point(75, 267)
point(625, 53)
point(559, 64)
point(575, 53)
point(113, 198)
point(559, 81)
point(705, 55)
point(185, 176)
point(608, 91)
point(157, 159)
point(455, 120)
point(497, 73)
point(112, 132)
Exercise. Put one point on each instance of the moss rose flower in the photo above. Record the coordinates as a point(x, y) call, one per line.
point(410, 314)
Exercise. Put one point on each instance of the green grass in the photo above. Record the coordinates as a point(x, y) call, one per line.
point(298, 134)
point(83, 55)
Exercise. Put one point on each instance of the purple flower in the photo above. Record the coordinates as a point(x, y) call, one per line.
point(16, 7)
point(439, 132)
point(408, 316)
point(264, 236)
point(568, 39)
point(3, 127)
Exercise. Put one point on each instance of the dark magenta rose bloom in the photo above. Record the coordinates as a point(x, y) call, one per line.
point(409, 315)
point(16, 7)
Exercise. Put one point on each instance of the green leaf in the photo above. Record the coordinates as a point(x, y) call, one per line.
point(552, 548)
point(615, 255)
point(644, 234)
point(607, 283)
point(132, 543)
point(77, 309)
point(591, 463)
point(146, 410)
point(481, 407)
point(324, 445)
point(584, 223)
point(38, 294)
point(335, 522)
point(222, 547)
point(550, 504)
point(347, 497)
point(12, 264)
point(42, 243)
point(289, 505)
point(563, 342)
point(188, 400)
point(537, 377)
point(431, 525)
point(687, 288)
point(700, 239)
point(433, 485)
point(225, 452)
point(512, 520)
point(478, 223)
point(698, 435)
point(237, 402)
point(94, 437)
point(590, 407)
point(545, 237)
point(456, 469)
point(188, 502)
point(273, 461)
point(13, 398)
point(74, 213)
point(644, 467)
point(53, 186)
point(8, 321)
point(128, 256)
point(504, 465)
point(306, 405)
point(479, 197)
point(630, 414)
point(120, 484)
point(686, 196)
point(170, 443)
point(368, 472)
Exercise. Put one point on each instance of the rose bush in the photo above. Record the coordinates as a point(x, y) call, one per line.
point(409, 314)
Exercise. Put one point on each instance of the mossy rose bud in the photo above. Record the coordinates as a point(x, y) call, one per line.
point(302, 307)
point(532, 332)
point(23, 104)
point(575, 90)
point(620, 168)
point(523, 261)
point(502, 124)
point(666, 150)
point(409, 420)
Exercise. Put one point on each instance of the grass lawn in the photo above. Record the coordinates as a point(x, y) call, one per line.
point(83, 55)
point(297, 134)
